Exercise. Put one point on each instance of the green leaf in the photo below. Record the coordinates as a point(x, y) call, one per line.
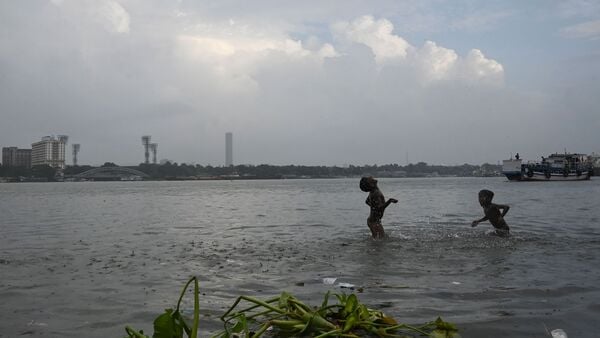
point(241, 326)
point(437, 334)
point(165, 326)
point(341, 298)
point(442, 325)
point(132, 333)
point(350, 321)
point(444, 330)
point(364, 313)
point(443, 334)
point(283, 300)
point(325, 300)
point(351, 304)
point(387, 320)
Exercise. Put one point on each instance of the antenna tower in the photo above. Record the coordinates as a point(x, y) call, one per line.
point(154, 148)
point(76, 148)
point(146, 144)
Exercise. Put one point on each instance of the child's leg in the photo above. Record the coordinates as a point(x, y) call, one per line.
point(376, 228)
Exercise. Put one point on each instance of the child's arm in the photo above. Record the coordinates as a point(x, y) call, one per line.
point(391, 200)
point(485, 218)
point(503, 207)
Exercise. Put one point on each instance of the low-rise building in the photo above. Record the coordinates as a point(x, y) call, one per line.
point(15, 157)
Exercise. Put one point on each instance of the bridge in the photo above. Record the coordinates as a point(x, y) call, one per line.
point(111, 174)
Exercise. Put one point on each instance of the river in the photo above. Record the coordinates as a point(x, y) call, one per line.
point(88, 258)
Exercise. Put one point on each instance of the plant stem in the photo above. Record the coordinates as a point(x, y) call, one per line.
point(133, 333)
point(196, 309)
point(251, 300)
point(183, 291)
point(262, 330)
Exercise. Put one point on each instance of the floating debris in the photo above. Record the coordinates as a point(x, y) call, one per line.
point(329, 280)
point(558, 333)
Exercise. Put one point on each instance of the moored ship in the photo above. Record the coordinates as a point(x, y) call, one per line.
point(556, 167)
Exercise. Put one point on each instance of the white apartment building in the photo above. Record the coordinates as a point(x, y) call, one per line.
point(50, 151)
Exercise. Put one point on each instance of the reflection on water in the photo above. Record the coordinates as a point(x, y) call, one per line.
point(92, 257)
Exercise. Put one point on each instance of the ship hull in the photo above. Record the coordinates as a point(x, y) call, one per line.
point(545, 177)
point(513, 176)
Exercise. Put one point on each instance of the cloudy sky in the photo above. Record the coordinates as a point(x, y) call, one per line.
point(303, 82)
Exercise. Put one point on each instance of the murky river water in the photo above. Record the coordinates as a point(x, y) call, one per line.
point(86, 259)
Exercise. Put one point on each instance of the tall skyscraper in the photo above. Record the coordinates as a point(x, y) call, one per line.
point(14, 157)
point(50, 151)
point(228, 149)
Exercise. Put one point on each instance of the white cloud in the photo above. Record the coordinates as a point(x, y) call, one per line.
point(436, 63)
point(107, 13)
point(234, 51)
point(116, 18)
point(584, 30)
point(327, 51)
point(431, 62)
point(478, 68)
point(375, 34)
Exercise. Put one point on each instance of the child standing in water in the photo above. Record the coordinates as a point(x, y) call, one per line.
point(377, 203)
point(492, 213)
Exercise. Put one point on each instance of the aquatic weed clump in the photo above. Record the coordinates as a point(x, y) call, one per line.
point(286, 316)
point(171, 324)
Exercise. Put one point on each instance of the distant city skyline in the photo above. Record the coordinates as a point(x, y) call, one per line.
point(306, 82)
point(152, 148)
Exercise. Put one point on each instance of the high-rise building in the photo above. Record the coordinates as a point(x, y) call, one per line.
point(14, 157)
point(228, 149)
point(50, 151)
point(76, 148)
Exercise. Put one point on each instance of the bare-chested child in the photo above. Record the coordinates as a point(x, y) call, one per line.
point(492, 213)
point(377, 203)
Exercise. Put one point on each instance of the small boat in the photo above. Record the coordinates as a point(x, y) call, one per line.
point(556, 167)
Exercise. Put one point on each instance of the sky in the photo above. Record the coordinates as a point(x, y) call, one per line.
point(308, 82)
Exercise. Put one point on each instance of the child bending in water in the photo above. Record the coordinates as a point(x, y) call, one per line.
point(492, 213)
point(377, 203)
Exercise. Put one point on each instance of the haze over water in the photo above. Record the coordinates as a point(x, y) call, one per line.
point(89, 258)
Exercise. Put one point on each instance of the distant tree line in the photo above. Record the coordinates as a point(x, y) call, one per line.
point(421, 169)
point(173, 170)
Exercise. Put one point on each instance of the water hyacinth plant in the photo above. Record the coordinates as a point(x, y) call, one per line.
point(171, 324)
point(286, 316)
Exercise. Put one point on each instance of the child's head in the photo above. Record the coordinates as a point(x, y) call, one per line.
point(368, 183)
point(485, 197)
